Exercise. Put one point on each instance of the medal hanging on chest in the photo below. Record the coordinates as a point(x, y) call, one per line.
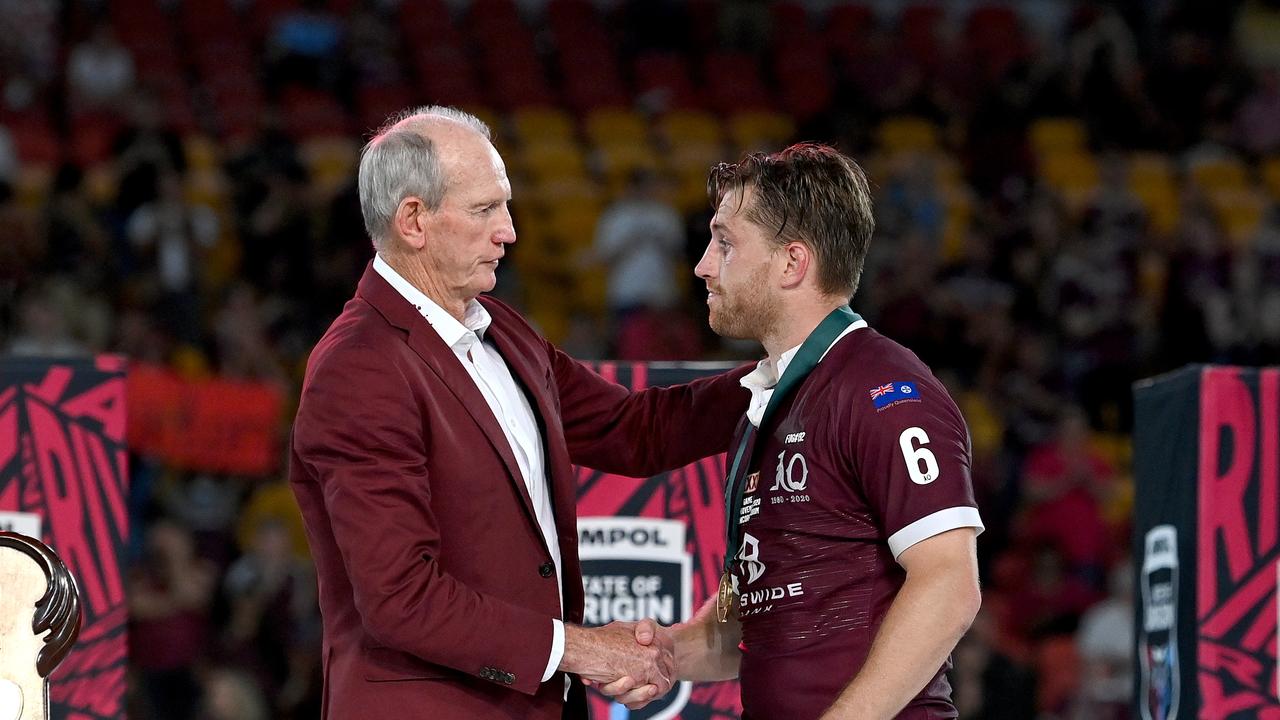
point(724, 597)
point(744, 456)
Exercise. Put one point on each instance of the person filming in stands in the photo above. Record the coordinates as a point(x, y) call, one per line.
point(852, 567)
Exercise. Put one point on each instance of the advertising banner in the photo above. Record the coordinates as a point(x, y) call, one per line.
point(64, 480)
point(1207, 467)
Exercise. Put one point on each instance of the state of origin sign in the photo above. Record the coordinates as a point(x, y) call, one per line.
point(652, 548)
point(1207, 543)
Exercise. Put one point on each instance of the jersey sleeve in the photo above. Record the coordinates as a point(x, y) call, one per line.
point(912, 457)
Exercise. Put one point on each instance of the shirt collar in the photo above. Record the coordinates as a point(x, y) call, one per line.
point(766, 376)
point(475, 321)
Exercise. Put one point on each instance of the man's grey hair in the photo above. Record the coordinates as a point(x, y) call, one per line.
point(400, 162)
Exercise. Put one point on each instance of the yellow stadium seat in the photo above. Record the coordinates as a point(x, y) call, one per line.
point(201, 152)
point(1057, 135)
point(1162, 206)
point(761, 131)
point(100, 183)
point(1153, 180)
point(1240, 210)
point(32, 184)
point(682, 127)
point(574, 222)
point(208, 187)
point(617, 127)
point(549, 159)
point(1073, 175)
point(618, 162)
point(330, 161)
point(486, 116)
point(542, 124)
point(908, 133)
point(1271, 176)
point(1219, 173)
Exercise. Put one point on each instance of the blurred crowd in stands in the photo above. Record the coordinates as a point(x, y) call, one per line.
point(1070, 196)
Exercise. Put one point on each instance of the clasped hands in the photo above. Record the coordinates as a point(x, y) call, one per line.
point(633, 663)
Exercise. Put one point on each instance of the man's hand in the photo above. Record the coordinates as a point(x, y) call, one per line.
point(634, 660)
point(626, 690)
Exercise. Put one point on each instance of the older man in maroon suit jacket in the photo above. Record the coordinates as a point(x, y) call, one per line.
point(432, 459)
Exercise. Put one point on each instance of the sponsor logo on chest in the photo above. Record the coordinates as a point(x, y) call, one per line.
point(753, 600)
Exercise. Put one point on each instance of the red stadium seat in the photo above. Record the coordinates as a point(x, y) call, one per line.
point(428, 20)
point(918, 27)
point(447, 76)
point(208, 19)
point(804, 80)
point(378, 102)
point(34, 138)
point(994, 40)
point(92, 135)
point(310, 113)
point(263, 14)
point(665, 74)
point(733, 82)
point(790, 22)
point(846, 28)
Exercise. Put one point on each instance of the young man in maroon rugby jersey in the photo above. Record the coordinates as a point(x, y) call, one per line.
point(852, 522)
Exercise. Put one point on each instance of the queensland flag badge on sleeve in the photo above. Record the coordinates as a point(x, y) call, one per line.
point(885, 395)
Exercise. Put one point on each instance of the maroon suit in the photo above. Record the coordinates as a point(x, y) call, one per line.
point(436, 585)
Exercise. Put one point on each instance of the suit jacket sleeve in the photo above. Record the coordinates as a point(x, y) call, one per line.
point(645, 432)
point(359, 432)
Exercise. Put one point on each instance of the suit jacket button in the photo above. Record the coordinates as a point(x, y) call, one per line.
point(508, 678)
point(546, 569)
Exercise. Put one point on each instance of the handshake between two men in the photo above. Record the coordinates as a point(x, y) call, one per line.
point(631, 662)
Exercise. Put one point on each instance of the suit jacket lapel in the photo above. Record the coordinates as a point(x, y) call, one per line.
point(429, 346)
point(563, 483)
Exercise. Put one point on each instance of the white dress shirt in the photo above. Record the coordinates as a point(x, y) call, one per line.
point(510, 408)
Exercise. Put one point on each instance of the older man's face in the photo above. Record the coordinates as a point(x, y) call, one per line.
point(469, 233)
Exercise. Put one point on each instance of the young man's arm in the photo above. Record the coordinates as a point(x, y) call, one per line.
point(935, 606)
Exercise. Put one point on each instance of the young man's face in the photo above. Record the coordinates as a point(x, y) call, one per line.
point(738, 267)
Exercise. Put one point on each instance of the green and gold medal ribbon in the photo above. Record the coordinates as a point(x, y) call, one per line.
point(745, 455)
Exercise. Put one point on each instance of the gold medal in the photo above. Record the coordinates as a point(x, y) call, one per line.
point(724, 598)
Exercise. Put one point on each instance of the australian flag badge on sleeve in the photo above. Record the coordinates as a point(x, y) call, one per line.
point(885, 395)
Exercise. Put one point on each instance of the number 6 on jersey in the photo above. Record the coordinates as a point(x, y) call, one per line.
point(914, 456)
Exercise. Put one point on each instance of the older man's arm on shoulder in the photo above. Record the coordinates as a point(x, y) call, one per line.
point(358, 432)
point(644, 432)
point(932, 611)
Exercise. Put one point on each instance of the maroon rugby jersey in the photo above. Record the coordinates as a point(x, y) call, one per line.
point(868, 456)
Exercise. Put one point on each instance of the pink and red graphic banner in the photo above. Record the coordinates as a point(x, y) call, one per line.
point(692, 495)
point(1207, 466)
point(63, 458)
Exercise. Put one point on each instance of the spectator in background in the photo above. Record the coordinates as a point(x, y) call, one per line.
point(171, 236)
point(169, 597)
point(76, 240)
point(28, 49)
point(1105, 639)
point(1257, 33)
point(100, 71)
point(306, 46)
point(640, 238)
point(229, 694)
point(273, 629)
point(142, 152)
point(1064, 479)
point(43, 327)
point(1258, 120)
